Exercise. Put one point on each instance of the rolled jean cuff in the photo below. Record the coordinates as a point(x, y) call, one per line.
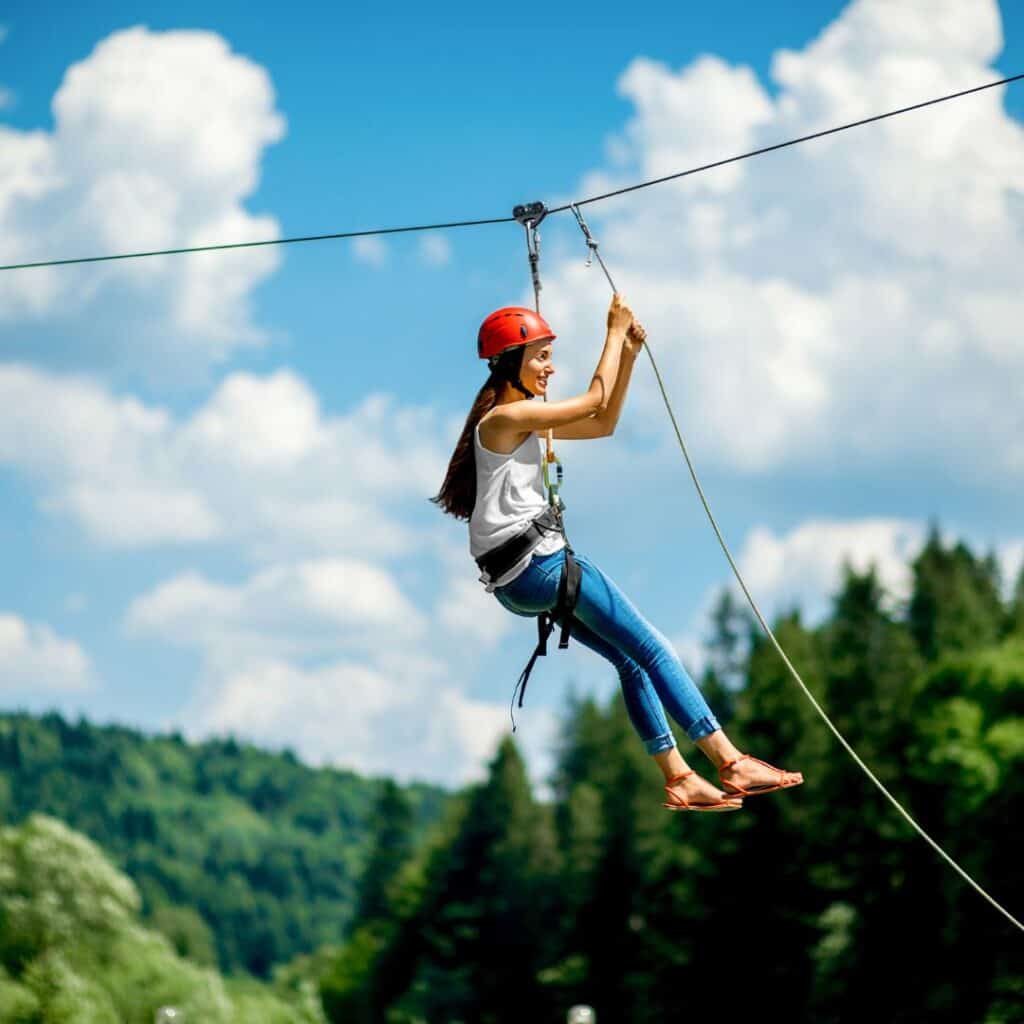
point(666, 741)
point(703, 727)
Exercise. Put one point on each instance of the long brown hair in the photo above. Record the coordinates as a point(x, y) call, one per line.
point(458, 492)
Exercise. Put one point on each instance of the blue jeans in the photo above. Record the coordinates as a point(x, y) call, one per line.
point(606, 621)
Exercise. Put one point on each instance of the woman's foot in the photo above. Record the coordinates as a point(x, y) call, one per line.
point(694, 790)
point(748, 776)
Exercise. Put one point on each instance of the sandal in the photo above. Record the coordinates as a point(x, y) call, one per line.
point(680, 803)
point(735, 790)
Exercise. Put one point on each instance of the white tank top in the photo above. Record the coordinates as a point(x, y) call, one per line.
point(509, 493)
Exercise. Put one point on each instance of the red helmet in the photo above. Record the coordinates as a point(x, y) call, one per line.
point(508, 327)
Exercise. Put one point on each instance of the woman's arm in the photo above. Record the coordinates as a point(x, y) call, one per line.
point(603, 424)
point(523, 417)
point(610, 417)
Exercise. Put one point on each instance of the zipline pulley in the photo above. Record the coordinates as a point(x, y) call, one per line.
point(530, 215)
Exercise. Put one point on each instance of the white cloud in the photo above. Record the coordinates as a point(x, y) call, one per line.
point(435, 250)
point(258, 465)
point(330, 658)
point(852, 299)
point(164, 164)
point(804, 566)
point(333, 658)
point(33, 657)
point(468, 611)
point(398, 716)
point(803, 569)
point(370, 249)
point(307, 609)
point(1010, 557)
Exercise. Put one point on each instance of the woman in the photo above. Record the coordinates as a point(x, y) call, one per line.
point(494, 480)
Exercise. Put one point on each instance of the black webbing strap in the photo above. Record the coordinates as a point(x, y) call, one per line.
point(499, 560)
point(568, 592)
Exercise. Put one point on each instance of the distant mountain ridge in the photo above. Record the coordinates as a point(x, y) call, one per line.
point(267, 852)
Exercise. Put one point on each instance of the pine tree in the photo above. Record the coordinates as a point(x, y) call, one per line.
point(1015, 614)
point(485, 919)
point(956, 604)
point(392, 846)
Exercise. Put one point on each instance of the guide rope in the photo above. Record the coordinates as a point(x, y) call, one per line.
point(593, 248)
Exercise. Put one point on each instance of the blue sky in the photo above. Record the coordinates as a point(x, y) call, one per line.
point(181, 445)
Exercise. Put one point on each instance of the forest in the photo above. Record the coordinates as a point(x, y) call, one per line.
point(409, 904)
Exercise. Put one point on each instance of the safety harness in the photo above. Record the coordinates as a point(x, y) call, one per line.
point(499, 560)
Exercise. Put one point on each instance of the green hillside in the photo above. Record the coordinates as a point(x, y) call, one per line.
point(244, 858)
point(72, 948)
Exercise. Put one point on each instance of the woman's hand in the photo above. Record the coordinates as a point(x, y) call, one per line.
point(620, 316)
point(635, 337)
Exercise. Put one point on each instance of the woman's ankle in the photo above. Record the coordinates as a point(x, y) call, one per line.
point(718, 748)
point(671, 763)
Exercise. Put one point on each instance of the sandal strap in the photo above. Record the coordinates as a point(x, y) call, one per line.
point(766, 764)
point(740, 789)
point(678, 799)
point(729, 764)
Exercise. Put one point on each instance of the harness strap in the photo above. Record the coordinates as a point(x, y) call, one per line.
point(499, 560)
point(568, 593)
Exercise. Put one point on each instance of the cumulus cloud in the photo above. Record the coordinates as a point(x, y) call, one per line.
point(302, 609)
point(371, 250)
point(258, 465)
point(468, 611)
point(803, 568)
point(336, 658)
point(435, 250)
point(1011, 565)
point(331, 658)
point(399, 716)
point(33, 657)
point(854, 298)
point(135, 169)
point(321, 501)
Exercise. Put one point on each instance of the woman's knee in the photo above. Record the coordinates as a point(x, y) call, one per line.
point(628, 669)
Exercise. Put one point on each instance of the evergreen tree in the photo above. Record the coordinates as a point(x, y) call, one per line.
point(750, 885)
point(728, 646)
point(482, 927)
point(956, 603)
point(967, 763)
point(872, 663)
point(728, 649)
point(606, 932)
point(1015, 613)
point(392, 846)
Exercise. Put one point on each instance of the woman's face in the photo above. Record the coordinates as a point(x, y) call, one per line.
point(537, 366)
